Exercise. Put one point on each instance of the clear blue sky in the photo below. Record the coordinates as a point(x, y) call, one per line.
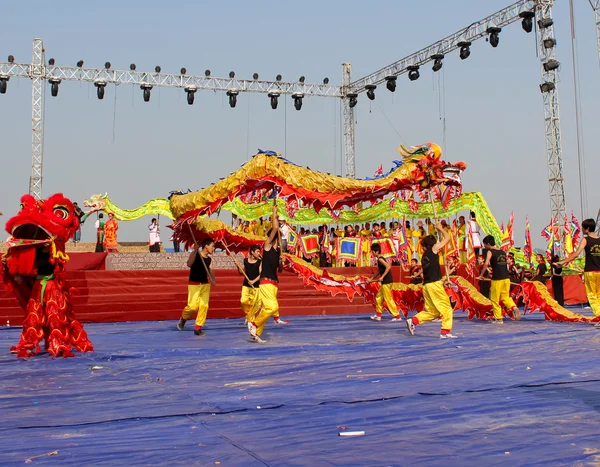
point(493, 104)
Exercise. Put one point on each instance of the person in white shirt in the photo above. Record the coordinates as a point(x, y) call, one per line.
point(154, 236)
point(284, 229)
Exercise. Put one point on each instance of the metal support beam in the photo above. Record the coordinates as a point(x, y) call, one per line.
point(549, 88)
point(595, 4)
point(348, 117)
point(36, 73)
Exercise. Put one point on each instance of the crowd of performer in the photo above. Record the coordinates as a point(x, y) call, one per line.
point(496, 272)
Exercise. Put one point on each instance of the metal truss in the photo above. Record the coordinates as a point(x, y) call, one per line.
point(37, 119)
point(348, 115)
point(595, 4)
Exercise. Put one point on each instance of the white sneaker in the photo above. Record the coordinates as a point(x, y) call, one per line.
point(397, 319)
point(448, 336)
point(257, 340)
point(436, 320)
point(597, 325)
point(497, 321)
point(410, 326)
point(376, 317)
point(252, 329)
point(281, 321)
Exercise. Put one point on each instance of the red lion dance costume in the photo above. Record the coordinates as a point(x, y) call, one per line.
point(33, 266)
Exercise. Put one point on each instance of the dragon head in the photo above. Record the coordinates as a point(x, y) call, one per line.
point(52, 219)
point(432, 169)
point(96, 202)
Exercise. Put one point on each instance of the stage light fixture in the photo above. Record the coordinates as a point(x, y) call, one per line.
point(80, 64)
point(107, 65)
point(302, 79)
point(391, 83)
point(183, 71)
point(207, 73)
point(54, 82)
point(3, 83)
point(11, 59)
point(298, 100)
point(100, 85)
point(190, 91)
point(326, 81)
point(132, 67)
point(51, 62)
point(274, 96)
point(352, 99)
point(371, 91)
point(157, 68)
point(549, 43)
point(545, 23)
point(494, 38)
point(465, 49)
point(232, 74)
point(437, 62)
point(146, 88)
point(255, 76)
point(551, 65)
point(232, 93)
point(527, 23)
point(547, 86)
point(278, 78)
point(413, 72)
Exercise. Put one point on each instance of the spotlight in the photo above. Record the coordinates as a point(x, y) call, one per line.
point(100, 85)
point(494, 33)
point(527, 23)
point(54, 82)
point(547, 86)
point(107, 65)
point(132, 67)
point(545, 23)
point(146, 88)
point(3, 83)
point(51, 62)
point(11, 59)
point(371, 91)
point(274, 96)
point(80, 63)
point(352, 99)
point(278, 77)
point(465, 49)
point(302, 79)
point(255, 75)
point(190, 91)
point(551, 65)
point(549, 43)
point(326, 81)
point(183, 70)
point(437, 62)
point(232, 93)
point(157, 68)
point(298, 100)
point(207, 73)
point(232, 74)
point(413, 72)
point(391, 83)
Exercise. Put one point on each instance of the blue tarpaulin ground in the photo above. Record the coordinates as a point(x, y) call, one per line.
point(525, 393)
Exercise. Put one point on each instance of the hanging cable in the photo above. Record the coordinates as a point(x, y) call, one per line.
point(114, 116)
point(248, 131)
point(390, 122)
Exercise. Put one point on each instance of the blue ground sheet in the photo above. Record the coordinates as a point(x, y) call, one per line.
point(525, 393)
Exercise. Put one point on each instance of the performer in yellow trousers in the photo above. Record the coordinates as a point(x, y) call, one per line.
point(252, 276)
point(200, 265)
point(269, 282)
point(500, 287)
point(437, 302)
point(384, 275)
point(591, 275)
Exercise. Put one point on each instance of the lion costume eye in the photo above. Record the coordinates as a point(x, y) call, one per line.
point(61, 212)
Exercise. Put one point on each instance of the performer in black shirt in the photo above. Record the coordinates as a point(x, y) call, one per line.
point(384, 276)
point(557, 281)
point(251, 270)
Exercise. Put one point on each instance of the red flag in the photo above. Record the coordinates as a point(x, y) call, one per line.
point(527, 249)
point(379, 171)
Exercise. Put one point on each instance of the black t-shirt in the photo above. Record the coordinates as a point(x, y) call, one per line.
point(252, 271)
point(430, 262)
point(198, 271)
point(388, 279)
point(592, 254)
point(541, 269)
point(499, 265)
point(414, 271)
point(270, 264)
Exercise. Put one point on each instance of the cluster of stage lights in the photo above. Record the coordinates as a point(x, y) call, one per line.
point(190, 90)
point(464, 53)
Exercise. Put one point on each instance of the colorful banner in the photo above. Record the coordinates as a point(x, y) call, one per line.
point(348, 249)
point(309, 245)
point(387, 247)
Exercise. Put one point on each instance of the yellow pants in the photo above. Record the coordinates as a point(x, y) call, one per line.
point(592, 289)
point(248, 300)
point(385, 295)
point(500, 293)
point(437, 304)
point(198, 296)
point(267, 295)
